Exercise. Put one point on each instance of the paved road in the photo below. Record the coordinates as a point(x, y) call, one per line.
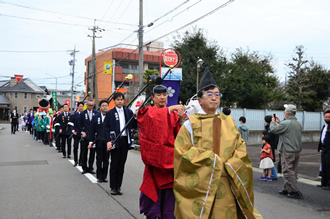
point(36, 182)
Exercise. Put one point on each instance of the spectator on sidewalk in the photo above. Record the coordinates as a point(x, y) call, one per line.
point(290, 146)
point(273, 141)
point(244, 129)
point(266, 160)
point(13, 117)
point(324, 147)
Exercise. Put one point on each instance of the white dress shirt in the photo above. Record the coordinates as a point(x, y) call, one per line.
point(122, 121)
point(324, 132)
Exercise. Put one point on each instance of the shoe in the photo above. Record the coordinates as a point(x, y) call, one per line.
point(105, 180)
point(84, 171)
point(69, 156)
point(262, 178)
point(75, 164)
point(119, 192)
point(100, 180)
point(113, 192)
point(296, 195)
point(326, 187)
point(64, 156)
point(283, 192)
point(91, 172)
point(319, 185)
point(268, 179)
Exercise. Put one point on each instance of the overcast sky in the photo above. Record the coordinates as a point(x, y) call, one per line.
point(36, 35)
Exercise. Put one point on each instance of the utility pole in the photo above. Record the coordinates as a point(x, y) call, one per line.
point(94, 91)
point(72, 63)
point(141, 45)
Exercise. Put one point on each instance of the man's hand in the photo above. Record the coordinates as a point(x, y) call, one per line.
point(84, 135)
point(60, 130)
point(74, 132)
point(109, 145)
point(90, 146)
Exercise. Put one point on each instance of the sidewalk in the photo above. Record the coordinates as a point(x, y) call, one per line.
point(309, 162)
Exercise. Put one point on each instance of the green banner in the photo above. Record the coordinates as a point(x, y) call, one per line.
point(54, 96)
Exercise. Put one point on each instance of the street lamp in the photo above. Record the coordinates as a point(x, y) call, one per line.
point(129, 77)
point(199, 63)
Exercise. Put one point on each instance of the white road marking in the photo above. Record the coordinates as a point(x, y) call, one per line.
point(88, 175)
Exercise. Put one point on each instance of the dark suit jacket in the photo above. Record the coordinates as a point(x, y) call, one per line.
point(85, 124)
point(97, 129)
point(326, 144)
point(76, 119)
point(112, 125)
point(14, 118)
point(64, 124)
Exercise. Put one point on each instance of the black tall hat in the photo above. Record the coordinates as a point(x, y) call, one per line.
point(207, 81)
point(159, 89)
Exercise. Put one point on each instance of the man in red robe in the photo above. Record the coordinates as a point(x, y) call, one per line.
point(158, 127)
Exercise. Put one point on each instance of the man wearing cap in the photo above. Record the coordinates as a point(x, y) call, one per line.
point(158, 127)
point(324, 147)
point(290, 146)
point(213, 175)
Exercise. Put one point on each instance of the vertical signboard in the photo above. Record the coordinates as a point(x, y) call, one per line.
point(54, 96)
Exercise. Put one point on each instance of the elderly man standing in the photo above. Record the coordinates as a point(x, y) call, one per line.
point(289, 146)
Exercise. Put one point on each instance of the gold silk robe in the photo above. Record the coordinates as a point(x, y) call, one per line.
point(207, 185)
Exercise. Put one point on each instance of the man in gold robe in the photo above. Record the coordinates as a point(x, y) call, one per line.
point(213, 175)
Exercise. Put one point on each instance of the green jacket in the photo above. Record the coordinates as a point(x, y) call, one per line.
point(39, 125)
point(289, 132)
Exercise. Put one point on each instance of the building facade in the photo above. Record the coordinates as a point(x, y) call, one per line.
point(125, 61)
point(23, 96)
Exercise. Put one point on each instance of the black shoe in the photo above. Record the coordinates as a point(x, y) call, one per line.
point(64, 156)
point(113, 192)
point(75, 164)
point(119, 192)
point(296, 195)
point(100, 180)
point(105, 180)
point(283, 192)
point(91, 172)
point(84, 171)
point(69, 156)
point(326, 187)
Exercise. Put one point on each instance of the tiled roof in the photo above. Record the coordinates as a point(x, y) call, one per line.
point(4, 100)
point(25, 85)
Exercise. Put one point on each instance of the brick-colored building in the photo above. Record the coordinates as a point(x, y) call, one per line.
point(126, 63)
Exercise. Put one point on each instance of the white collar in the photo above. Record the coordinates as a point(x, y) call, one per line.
point(201, 111)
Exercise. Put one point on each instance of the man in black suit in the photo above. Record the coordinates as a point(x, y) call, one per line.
point(97, 137)
point(57, 129)
point(65, 129)
point(75, 119)
point(324, 147)
point(85, 123)
point(14, 121)
point(114, 122)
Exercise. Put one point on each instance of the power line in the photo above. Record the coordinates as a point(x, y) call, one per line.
point(169, 12)
point(174, 16)
point(32, 51)
point(194, 21)
point(54, 12)
point(106, 11)
point(33, 19)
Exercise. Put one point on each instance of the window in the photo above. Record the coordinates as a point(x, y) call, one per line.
point(25, 109)
point(16, 95)
point(25, 95)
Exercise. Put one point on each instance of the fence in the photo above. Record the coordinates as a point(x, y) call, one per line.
point(310, 121)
